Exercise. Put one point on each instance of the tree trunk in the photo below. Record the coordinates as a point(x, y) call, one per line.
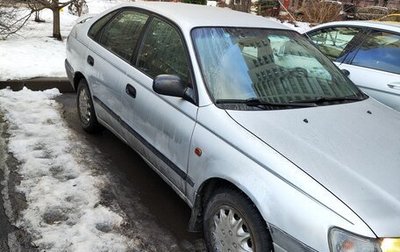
point(37, 17)
point(385, 3)
point(56, 24)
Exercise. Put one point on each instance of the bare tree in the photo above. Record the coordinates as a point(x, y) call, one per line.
point(317, 11)
point(55, 6)
point(78, 8)
point(240, 5)
point(12, 18)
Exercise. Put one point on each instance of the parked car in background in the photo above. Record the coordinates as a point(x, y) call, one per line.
point(369, 52)
point(390, 18)
point(270, 145)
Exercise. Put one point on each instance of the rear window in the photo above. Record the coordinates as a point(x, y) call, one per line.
point(96, 27)
point(120, 35)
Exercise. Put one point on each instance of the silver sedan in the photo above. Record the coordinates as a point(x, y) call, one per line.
point(258, 132)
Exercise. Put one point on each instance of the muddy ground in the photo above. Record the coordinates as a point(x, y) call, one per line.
point(156, 218)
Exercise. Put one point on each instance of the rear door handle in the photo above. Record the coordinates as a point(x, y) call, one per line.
point(90, 60)
point(130, 90)
point(394, 85)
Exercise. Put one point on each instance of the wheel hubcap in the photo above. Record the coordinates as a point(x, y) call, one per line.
point(84, 106)
point(230, 232)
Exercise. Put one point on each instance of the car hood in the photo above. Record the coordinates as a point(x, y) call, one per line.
point(351, 149)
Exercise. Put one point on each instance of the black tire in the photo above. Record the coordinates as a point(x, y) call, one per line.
point(86, 113)
point(229, 203)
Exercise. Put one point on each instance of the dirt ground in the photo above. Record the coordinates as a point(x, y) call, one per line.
point(156, 218)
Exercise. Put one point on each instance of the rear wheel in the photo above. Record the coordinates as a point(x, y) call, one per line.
point(232, 223)
point(86, 113)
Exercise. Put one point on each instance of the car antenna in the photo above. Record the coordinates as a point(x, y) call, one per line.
point(291, 16)
point(287, 11)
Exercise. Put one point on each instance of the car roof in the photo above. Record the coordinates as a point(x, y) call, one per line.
point(188, 16)
point(389, 26)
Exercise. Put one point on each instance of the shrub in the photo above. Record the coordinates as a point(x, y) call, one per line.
point(269, 8)
point(315, 11)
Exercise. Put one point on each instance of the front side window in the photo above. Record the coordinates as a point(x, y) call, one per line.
point(163, 52)
point(121, 34)
point(381, 51)
point(272, 66)
point(333, 41)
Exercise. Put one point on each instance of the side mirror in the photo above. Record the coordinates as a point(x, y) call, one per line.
point(171, 85)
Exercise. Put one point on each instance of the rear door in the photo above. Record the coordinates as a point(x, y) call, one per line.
point(114, 37)
point(161, 125)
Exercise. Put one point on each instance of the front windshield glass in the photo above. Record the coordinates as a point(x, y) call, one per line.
point(270, 66)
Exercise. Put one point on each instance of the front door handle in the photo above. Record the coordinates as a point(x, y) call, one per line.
point(90, 60)
point(130, 90)
point(395, 85)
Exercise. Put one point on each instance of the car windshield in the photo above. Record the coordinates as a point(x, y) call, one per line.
point(269, 67)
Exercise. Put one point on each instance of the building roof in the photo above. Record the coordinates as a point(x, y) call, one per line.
point(192, 15)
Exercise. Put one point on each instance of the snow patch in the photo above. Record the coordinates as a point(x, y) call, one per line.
point(34, 57)
point(63, 195)
point(6, 177)
point(32, 52)
point(301, 27)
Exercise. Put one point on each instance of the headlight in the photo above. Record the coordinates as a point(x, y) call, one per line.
point(390, 245)
point(344, 241)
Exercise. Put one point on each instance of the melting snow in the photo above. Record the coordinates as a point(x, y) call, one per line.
point(63, 211)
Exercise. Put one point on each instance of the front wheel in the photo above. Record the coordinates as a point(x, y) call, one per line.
point(232, 223)
point(85, 108)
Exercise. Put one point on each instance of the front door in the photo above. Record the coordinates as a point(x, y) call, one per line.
point(162, 125)
point(375, 67)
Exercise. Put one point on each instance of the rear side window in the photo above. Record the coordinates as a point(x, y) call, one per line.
point(163, 52)
point(333, 41)
point(121, 34)
point(381, 51)
point(94, 30)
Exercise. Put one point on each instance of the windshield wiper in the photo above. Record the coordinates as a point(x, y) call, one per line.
point(322, 99)
point(255, 102)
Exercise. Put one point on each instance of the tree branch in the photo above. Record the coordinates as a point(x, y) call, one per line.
point(15, 26)
point(62, 5)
